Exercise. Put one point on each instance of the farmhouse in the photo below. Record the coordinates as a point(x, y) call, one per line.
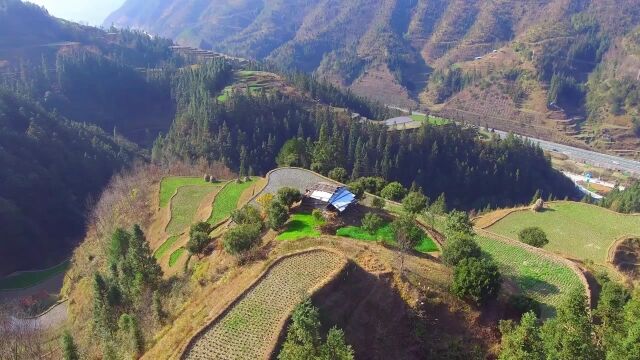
point(328, 196)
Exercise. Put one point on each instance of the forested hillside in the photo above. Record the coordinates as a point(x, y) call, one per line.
point(247, 131)
point(71, 99)
point(50, 166)
point(553, 69)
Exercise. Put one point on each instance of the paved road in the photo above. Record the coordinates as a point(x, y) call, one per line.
point(586, 156)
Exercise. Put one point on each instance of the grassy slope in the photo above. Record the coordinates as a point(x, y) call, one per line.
point(28, 279)
point(227, 200)
point(385, 235)
point(169, 185)
point(185, 205)
point(433, 120)
point(535, 275)
point(175, 256)
point(300, 226)
point(578, 230)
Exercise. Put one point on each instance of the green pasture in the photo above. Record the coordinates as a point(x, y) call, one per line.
point(385, 235)
point(300, 226)
point(578, 230)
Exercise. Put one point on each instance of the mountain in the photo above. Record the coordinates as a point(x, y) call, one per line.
point(497, 63)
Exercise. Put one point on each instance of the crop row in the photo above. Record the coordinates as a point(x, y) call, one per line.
point(249, 328)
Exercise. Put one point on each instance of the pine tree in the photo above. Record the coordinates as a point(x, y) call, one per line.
point(69, 348)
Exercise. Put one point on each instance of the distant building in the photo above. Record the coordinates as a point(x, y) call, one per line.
point(328, 196)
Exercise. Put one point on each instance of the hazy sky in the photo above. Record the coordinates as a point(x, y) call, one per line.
point(86, 11)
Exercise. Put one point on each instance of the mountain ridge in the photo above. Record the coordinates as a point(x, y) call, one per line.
point(395, 50)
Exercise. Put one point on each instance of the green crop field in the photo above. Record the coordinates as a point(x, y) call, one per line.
point(385, 235)
point(575, 229)
point(227, 200)
point(169, 185)
point(185, 205)
point(166, 245)
point(247, 331)
point(175, 256)
point(28, 279)
point(537, 276)
point(433, 120)
point(300, 226)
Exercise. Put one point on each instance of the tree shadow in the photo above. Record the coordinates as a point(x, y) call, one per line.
point(530, 283)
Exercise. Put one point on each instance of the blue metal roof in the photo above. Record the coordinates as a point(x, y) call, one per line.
point(341, 199)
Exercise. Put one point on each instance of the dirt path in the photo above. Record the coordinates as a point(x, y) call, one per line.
point(53, 318)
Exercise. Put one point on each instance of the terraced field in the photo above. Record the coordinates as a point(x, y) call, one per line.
point(184, 206)
point(249, 329)
point(170, 185)
point(227, 200)
point(578, 230)
point(536, 275)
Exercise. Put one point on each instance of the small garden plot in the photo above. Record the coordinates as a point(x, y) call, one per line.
point(301, 226)
point(169, 185)
point(250, 329)
point(166, 246)
point(28, 279)
point(536, 275)
point(227, 200)
point(579, 230)
point(385, 235)
point(184, 206)
point(175, 256)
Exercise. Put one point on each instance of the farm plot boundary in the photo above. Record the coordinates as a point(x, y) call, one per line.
point(560, 260)
point(184, 350)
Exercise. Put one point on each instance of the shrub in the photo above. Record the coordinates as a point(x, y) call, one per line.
point(339, 174)
point(69, 348)
point(201, 226)
point(277, 215)
point(372, 223)
point(357, 188)
point(533, 236)
point(394, 191)
point(378, 203)
point(317, 215)
point(198, 241)
point(247, 215)
point(476, 279)
point(241, 238)
point(265, 200)
point(458, 222)
point(459, 247)
point(238, 181)
point(524, 304)
point(439, 207)
point(415, 202)
point(288, 196)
